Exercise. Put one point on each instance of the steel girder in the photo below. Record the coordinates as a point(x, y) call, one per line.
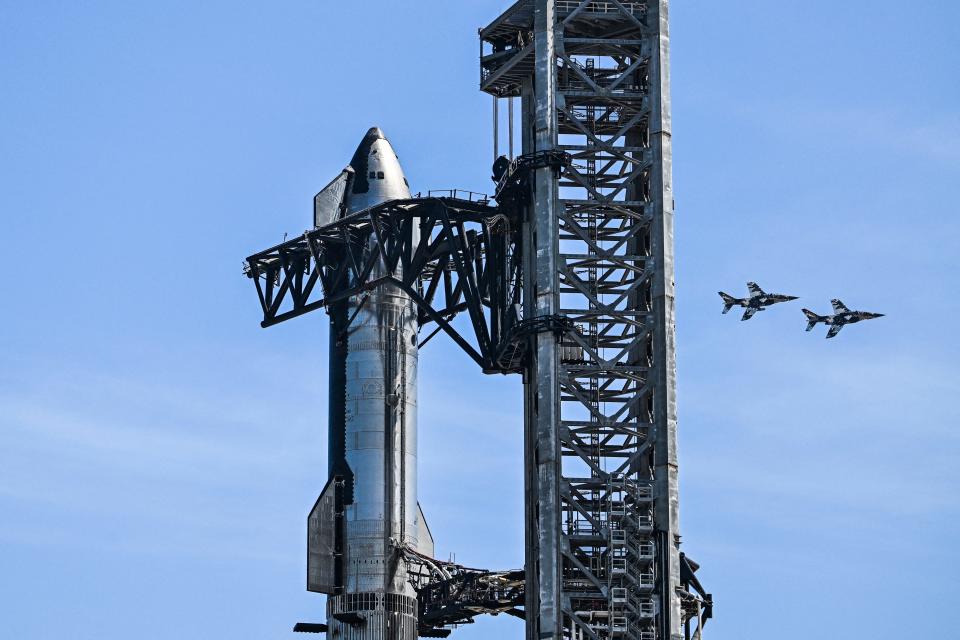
point(466, 260)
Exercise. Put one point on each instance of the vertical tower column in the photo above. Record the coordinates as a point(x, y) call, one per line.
point(600, 406)
point(664, 370)
point(542, 300)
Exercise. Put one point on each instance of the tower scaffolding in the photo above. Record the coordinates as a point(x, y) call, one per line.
point(603, 557)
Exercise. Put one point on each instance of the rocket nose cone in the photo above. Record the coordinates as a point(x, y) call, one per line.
point(377, 173)
point(369, 141)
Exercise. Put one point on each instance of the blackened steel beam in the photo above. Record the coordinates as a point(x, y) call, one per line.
point(546, 620)
point(664, 434)
point(468, 247)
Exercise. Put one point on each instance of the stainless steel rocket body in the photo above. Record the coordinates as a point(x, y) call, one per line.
point(381, 438)
point(374, 402)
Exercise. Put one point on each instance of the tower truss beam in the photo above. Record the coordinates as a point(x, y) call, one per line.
point(464, 259)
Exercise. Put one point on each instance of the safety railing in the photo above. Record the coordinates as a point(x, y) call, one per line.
point(599, 6)
point(456, 194)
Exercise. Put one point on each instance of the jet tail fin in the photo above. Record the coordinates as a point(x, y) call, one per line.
point(728, 301)
point(812, 319)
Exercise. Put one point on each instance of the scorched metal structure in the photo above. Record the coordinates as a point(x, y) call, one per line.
point(603, 555)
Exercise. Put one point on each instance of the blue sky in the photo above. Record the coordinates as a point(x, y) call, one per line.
point(159, 451)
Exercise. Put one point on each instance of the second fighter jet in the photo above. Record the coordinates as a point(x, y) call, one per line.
point(841, 317)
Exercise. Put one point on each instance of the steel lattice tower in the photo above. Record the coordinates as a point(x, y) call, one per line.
point(602, 515)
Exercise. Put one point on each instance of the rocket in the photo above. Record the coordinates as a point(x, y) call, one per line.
point(368, 508)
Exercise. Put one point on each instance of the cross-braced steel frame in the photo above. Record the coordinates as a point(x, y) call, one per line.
point(603, 556)
point(463, 258)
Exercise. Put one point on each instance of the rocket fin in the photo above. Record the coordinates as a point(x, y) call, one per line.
point(328, 205)
point(424, 537)
point(324, 538)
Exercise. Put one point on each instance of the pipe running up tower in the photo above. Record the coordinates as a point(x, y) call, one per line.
point(369, 509)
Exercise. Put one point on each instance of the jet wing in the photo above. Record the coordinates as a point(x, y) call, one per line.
point(749, 313)
point(755, 289)
point(839, 307)
point(834, 330)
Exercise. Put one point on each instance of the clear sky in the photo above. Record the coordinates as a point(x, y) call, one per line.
point(159, 451)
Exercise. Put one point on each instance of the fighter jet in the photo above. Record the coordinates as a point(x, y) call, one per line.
point(758, 300)
point(841, 316)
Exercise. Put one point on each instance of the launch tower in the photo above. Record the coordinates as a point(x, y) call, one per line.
point(603, 540)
